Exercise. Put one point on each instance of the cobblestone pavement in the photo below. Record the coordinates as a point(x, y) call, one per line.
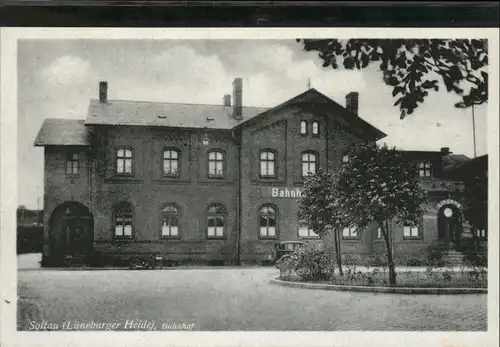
point(229, 299)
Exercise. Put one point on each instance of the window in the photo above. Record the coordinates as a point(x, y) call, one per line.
point(309, 163)
point(215, 164)
point(267, 164)
point(481, 233)
point(305, 231)
point(170, 221)
point(171, 163)
point(350, 233)
point(345, 158)
point(315, 128)
point(124, 161)
point(268, 225)
point(216, 222)
point(72, 163)
point(379, 234)
point(123, 215)
point(303, 127)
point(411, 232)
point(424, 169)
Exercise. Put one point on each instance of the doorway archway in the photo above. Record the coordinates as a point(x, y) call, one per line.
point(449, 225)
point(71, 230)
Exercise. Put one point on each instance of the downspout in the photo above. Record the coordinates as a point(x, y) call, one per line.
point(238, 204)
point(89, 169)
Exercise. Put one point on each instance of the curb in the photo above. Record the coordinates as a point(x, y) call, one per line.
point(165, 268)
point(387, 290)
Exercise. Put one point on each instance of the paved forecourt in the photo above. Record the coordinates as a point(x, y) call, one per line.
point(226, 299)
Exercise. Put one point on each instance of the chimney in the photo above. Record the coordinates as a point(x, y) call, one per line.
point(237, 98)
point(103, 92)
point(445, 150)
point(352, 102)
point(227, 100)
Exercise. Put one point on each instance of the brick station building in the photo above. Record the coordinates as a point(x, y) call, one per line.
point(208, 183)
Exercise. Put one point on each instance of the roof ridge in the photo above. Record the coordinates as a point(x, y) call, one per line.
point(174, 103)
point(64, 119)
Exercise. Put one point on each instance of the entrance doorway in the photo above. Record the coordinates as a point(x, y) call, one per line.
point(71, 230)
point(449, 226)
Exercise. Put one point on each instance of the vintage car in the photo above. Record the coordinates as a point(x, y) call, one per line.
point(283, 248)
point(146, 262)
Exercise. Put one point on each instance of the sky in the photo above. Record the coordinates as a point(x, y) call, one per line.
point(57, 79)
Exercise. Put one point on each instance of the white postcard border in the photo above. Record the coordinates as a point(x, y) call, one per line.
point(8, 161)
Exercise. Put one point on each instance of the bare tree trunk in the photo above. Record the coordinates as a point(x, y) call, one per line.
point(329, 240)
point(390, 260)
point(337, 251)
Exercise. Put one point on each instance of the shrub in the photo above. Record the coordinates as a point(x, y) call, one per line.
point(353, 273)
point(478, 277)
point(351, 259)
point(447, 275)
point(377, 260)
point(413, 262)
point(311, 264)
point(430, 272)
point(476, 259)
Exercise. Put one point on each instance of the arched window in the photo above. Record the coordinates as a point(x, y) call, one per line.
point(315, 128)
point(171, 162)
point(268, 221)
point(124, 158)
point(305, 231)
point(216, 221)
point(170, 221)
point(216, 164)
point(123, 218)
point(267, 163)
point(424, 169)
point(303, 127)
point(309, 163)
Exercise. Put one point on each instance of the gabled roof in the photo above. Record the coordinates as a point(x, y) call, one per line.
point(58, 131)
point(118, 112)
point(474, 164)
point(451, 161)
point(178, 115)
point(315, 101)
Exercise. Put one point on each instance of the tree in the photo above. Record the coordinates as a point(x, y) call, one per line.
point(379, 185)
point(412, 67)
point(319, 207)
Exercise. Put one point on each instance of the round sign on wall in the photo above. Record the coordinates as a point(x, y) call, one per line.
point(448, 212)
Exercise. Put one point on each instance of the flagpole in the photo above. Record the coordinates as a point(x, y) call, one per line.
point(474, 129)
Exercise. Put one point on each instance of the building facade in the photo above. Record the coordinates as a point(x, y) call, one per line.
point(214, 184)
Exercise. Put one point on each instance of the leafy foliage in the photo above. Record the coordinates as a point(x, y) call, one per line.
point(319, 207)
point(414, 67)
point(311, 264)
point(379, 185)
point(319, 204)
